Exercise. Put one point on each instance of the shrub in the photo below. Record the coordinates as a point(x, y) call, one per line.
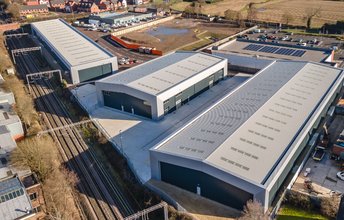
point(329, 206)
point(299, 200)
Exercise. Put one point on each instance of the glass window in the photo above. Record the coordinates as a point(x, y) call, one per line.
point(2, 198)
point(10, 195)
point(21, 192)
point(7, 198)
point(14, 194)
point(18, 193)
point(33, 196)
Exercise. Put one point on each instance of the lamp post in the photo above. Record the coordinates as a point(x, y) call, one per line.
point(120, 135)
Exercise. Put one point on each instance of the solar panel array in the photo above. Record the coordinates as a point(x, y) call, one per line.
point(276, 50)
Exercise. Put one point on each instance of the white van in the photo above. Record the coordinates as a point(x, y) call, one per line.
point(256, 30)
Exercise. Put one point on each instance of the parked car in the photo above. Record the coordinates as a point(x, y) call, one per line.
point(130, 61)
point(277, 42)
point(126, 62)
point(135, 60)
point(273, 41)
point(291, 33)
point(312, 45)
point(275, 32)
point(96, 40)
point(314, 40)
point(334, 48)
point(291, 39)
point(340, 175)
point(300, 40)
point(303, 44)
point(286, 37)
point(94, 29)
point(283, 39)
point(257, 39)
point(126, 59)
point(265, 40)
point(319, 153)
point(250, 32)
point(264, 31)
point(120, 62)
point(245, 35)
point(241, 36)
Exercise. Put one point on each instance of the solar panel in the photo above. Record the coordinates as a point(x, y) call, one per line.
point(285, 51)
point(253, 47)
point(299, 53)
point(268, 49)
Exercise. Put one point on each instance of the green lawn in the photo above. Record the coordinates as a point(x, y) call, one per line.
point(292, 213)
point(204, 41)
point(180, 6)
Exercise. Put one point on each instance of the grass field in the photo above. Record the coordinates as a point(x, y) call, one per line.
point(274, 9)
point(292, 213)
point(204, 40)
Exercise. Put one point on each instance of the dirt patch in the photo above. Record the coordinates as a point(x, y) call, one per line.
point(167, 43)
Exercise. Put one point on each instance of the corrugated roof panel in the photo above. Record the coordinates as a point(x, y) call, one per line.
point(74, 47)
point(165, 72)
point(258, 121)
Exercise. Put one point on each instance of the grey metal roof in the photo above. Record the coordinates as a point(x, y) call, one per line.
point(30, 7)
point(237, 48)
point(165, 72)
point(16, 207)
point(7, 115)
point(73, 46)
point(7, 143)
point(248, 131)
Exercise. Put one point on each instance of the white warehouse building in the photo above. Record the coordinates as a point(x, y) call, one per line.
point(77, 54)
point(162, 85)
point(244, 146)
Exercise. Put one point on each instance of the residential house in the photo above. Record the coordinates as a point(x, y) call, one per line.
point(32, 2)
point(21, 194)
point(44, 2)
point(107, 6)
point(98, 2)
point(6, 96)
point(9, 118)
point(71, 6)
point(57, 5)
point(88, 7)
point(32, 9)
point(122, 3)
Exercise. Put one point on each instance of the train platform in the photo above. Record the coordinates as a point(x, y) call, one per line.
point(135, 135)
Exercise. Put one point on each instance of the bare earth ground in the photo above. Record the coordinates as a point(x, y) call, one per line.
point(331, 11)
point(178, 40)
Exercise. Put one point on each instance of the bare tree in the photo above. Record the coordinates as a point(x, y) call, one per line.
point(230, 14)
point(329, 206)
point(253, 210)
point(310, 13)
point(58, 195)
point(252, 13)
point(38, 154)
point(14, 10)
point(240, 20)
point(287, 17)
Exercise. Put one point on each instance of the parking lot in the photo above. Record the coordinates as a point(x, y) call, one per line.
point(324, 42)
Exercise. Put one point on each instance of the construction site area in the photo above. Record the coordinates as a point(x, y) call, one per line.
point(180, 33)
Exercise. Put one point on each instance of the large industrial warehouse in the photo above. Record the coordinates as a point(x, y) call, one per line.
point(162, 85)
point(243, 146)
point(81, 57)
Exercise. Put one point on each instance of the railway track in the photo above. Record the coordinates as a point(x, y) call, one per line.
point(96, 185)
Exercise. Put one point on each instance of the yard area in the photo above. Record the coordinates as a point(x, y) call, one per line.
point(272, 11)
point(176, 33)
point(292, 213)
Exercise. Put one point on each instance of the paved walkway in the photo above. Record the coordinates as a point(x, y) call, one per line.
point(139, 134)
